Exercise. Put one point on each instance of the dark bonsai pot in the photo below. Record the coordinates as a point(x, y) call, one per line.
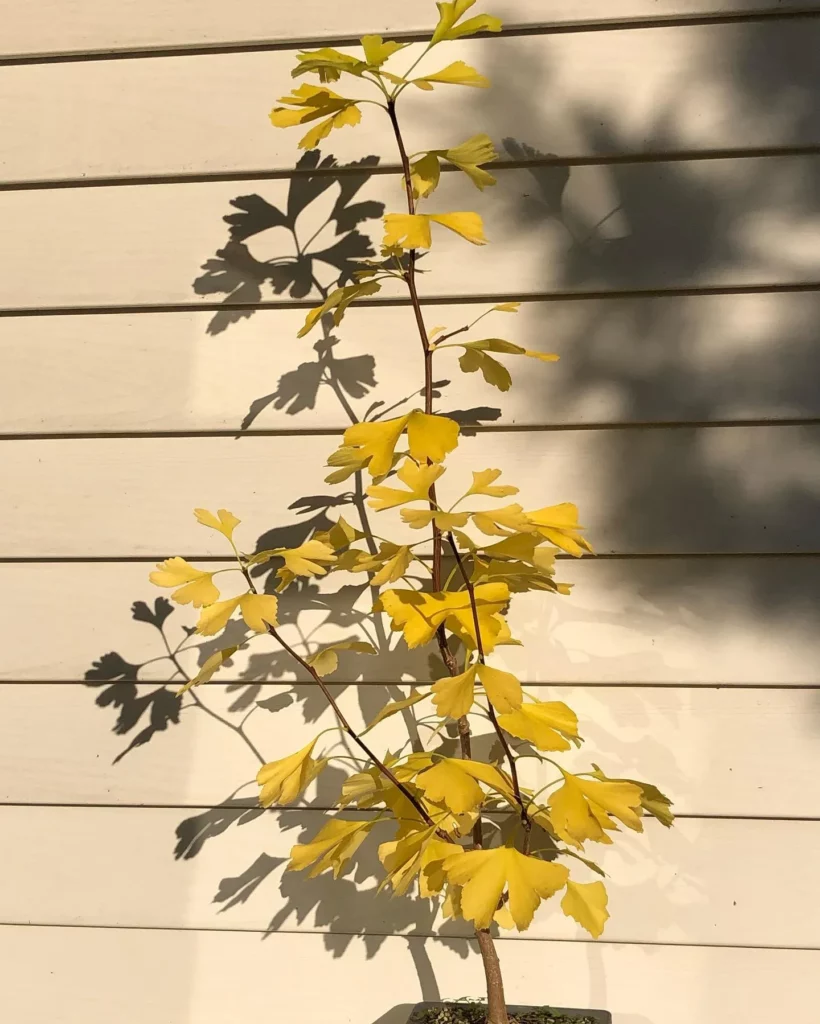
point(474, 1013)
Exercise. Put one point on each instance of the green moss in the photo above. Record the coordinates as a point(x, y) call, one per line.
point(476, 1013)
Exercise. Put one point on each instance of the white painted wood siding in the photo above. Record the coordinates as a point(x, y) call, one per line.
point(664, 237)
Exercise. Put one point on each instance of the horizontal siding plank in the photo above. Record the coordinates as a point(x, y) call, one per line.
point(617, 228)
point(207, 977)
point(747, 621)
point(79, 26)
point(697, 883)
point(674, 490)
point(702, 746)
point(702, 358)
point(645, 91)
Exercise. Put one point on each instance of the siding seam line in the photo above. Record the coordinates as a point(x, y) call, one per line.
point(510, 31)
point(684, 291)
point(346, 170)
point(388, 935)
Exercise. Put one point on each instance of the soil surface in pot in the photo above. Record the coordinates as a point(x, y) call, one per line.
point(467, 1013)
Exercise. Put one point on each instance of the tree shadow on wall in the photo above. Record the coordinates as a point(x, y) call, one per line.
point(696, 304)
point(317, 249)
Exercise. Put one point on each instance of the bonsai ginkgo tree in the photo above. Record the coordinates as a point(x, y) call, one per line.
point(450, 589)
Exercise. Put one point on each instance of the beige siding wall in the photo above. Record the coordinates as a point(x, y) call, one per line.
point(665, 243)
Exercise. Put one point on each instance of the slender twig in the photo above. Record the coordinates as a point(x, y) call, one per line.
point(447, 656)
point(348, 728)
point(468, 583)
point(351, 732)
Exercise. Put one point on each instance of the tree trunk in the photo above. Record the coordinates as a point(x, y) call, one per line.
point(496, 1003)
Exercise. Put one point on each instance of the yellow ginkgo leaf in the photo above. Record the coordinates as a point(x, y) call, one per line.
point(337, 302)
point(547, 725)
point(429, 438)
point(483, 875)
point(587, 902)
point(401, 857)
point(309, 558)
point(376, 442)
point(331, 848)
point(583, 809)
point(652, 800)
point(470, 155)
point(347, 461)
point(326, 661)
point(328, 63)
point(377, 50)
point(419, 480)
point(468, 225)
point(223, 522)
point(524, 546)
point(457, 73)
point(451, 11)
point(370, 788)
point(419, 519)
point(350, 116)
point(394, 568)
point(258, 611)
point(507, 307)
point(412, 230)
point(425, 171)
point(396, 706)
point(505, 348)
point(282, 781)
point(209, 667)
point(310, 102)
point(389, 564)
point(418, 615)
point(416, 852)
point(408, 230)
point(340, 534)
point(491, 776)
point(483, 483)
point(453, 695)
point(448, 784)
point(214, 617)
point(425, 174)
point(193, 585)
point(502, 688)
point(451, 782)
point(493, 372)
point(362, 788)
point(307, 103)
point(504, 919)
point(559, 525)
point(476, 357)
point(519, 576)
point(501, 522)
point(451, 907)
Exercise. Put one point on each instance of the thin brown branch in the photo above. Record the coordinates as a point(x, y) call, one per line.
point(495, 989)
point(348, 728)
point(525, 818)
point(451, 334)
point(438, 541)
